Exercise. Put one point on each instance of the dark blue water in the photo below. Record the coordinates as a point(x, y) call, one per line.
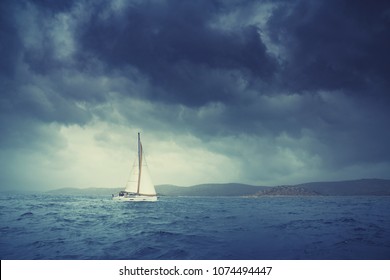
point(78, 227)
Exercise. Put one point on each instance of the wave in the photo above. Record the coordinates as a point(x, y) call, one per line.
point(74, 227)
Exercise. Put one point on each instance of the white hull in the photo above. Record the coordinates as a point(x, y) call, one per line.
point(135, 198)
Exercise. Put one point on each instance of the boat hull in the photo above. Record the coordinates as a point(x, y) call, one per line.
point(135, 198)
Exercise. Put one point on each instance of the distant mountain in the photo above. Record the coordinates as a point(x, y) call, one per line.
point(352, 187)
point(339, 188)
point(231, 189)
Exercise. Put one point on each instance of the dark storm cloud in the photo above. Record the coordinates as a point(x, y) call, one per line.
point(173, 43)
point(329, 45)
point(10, 44)
point(303, 78)
point(334, 44)
point(54, 6)
point(32, 79)
point(341, 47)
point(40, 56)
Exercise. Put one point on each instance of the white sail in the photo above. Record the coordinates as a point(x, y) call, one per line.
point(146, 186)
point(139, 187)
point(132, 183)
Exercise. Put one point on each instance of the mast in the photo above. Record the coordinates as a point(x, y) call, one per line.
point(139, 161)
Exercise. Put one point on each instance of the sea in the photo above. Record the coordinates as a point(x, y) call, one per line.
point(63, 227)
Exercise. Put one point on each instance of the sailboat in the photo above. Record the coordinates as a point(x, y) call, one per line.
point(139, 187)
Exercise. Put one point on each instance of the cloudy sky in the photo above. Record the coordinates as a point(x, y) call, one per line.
point(257, 92)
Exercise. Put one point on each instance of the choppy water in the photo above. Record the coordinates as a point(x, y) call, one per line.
point(78, 227)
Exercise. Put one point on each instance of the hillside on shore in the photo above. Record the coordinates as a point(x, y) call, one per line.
point(379, 187)
point(337, 188)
